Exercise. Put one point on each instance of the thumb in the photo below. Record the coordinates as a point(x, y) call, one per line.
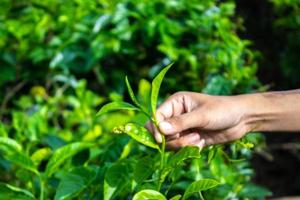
point(180, 123)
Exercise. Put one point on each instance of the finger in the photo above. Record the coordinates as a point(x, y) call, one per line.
point(172, 137)
point(183, 141)
point(175, 105)
point(182, 122)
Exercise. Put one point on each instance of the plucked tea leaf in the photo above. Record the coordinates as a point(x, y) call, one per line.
point(140, 134)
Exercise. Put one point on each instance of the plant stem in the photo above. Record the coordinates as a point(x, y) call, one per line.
point(162, 156)
point(42, 187)
point(201, 196)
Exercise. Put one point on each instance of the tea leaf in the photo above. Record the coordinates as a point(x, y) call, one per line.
point(115, 180)
point(252, 191)
point(131, 93)
point(11, 192)
point(177, 197)
point(140, 134)
point(183, 154)
point(198, 186)
point(63, 153)
point(40, 155)
point(149, 195)
point(10, 144)
point(113, 106)
point(74, 182)
point(143, 169)
point(23, 161)
point(156, 86)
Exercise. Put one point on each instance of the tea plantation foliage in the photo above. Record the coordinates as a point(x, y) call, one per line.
point(61, 61)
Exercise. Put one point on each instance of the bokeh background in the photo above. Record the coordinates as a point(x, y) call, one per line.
point(60, 61)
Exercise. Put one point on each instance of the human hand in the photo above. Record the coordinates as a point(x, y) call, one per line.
point(194, 119)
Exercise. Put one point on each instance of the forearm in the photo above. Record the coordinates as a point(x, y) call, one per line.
point(272, 111)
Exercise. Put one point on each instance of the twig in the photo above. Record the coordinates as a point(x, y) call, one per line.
point(9, 95)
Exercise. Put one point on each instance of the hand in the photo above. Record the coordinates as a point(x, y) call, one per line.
point(194, 119)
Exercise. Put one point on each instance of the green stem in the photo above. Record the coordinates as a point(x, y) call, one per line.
point(201, 196)
point(42, 187)
point(162, 156)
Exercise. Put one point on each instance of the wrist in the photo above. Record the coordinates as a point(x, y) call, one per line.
point(261, 111)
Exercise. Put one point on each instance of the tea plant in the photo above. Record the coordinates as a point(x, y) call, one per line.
point(155, 181)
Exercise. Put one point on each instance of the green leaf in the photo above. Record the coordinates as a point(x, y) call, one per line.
point(149, 195)
point(62, 154)
point(177, 197)
point(22, 160)
point(183, 154)
point(155, 86)
point(41, 154)
point(131, 93)
point(140, 134)
point(143, 169)
point(116, 179)
point(211, 154)
point(113, 106)
point(198, 186)
point(252, 191)
point(10, 144)
point(74, 182)
point(11, 192)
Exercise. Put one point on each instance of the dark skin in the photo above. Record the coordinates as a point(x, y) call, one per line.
point(195, 119)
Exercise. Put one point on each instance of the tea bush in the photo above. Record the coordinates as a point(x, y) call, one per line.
point(70, 58)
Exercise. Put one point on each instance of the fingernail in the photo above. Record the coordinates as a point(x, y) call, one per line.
point(165, 126)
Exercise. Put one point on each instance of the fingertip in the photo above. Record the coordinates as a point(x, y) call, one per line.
point(165, 126)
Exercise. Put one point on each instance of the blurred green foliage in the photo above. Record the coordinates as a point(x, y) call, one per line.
point(108, 39)
point(287, 23)
point(61, 60)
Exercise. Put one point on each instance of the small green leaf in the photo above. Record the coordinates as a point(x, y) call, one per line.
point(131, 93)
point(41, 154)
point(211, 154)
point(10, 144)
point(63, 153)
point(140, 134)
point(198, 186)
point(183, 154)
point(252, 191)
point(155, 86)
point(23, 161)
point(177, 197)
point(113, 106)
point(149, 195)
point(11, 192)
point(74, 182)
